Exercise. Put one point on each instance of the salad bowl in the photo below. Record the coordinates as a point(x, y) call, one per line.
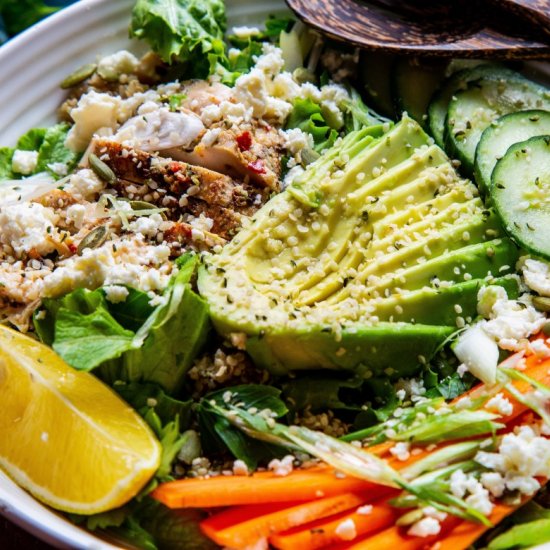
point(32, 66)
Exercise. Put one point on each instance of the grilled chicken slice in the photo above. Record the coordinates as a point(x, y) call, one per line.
point(252, 153)
point(181, 188)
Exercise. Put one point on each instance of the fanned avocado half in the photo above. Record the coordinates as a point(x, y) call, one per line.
point(366, 263)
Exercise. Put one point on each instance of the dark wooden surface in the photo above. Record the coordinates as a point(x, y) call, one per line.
point(15, 538)
point(461, 28)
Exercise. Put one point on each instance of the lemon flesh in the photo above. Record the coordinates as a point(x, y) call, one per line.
point(66, 437)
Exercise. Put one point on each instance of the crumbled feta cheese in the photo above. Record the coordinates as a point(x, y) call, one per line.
point(292, 175)
point(59, 168)
point(365, 510)
point(494, 483)
point(521, 457)
point(84, 184)
point(539, 348)
point(93, 111)
point(112, 66)
point(76, 213)
point(28, 226)
point(296, 140)
point(478, 496)
point(245, 32)
point(425, 527)
point(282, 467)
point(401, 451)
point(148, 226)
point(240, 468)
point(128, 262)
point(24, 162)
point(500, 404)
point(509, 321)
point(116, 293)
point(346, 530)
point(536, 275)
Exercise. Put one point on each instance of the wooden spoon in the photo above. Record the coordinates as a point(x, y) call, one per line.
point(499, 29)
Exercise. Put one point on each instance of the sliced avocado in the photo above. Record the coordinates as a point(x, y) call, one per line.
point(329, 270)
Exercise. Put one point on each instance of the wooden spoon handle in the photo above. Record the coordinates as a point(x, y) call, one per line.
point(534, 12)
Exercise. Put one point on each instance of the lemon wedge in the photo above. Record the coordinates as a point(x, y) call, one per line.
point(66, 437)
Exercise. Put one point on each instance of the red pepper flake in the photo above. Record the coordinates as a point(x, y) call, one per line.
point(257, 166)
point(175, 166)
point(73, 248)
point(244, 141)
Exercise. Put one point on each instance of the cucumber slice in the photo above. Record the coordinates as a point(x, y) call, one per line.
point(499, 136)
point(437, 110)
point(375, 75)
point(520, 189)
point(474, 109)
point(412, 85)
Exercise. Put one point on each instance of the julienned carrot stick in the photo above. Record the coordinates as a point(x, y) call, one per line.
point(536, 368)
point(329, 531)
point(242, 526)
point(260, 487)
point(396, 538)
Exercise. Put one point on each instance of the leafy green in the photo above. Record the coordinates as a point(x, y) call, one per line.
point(524, 535)
point(6, 154)
point(32, 140)
point(53, 150)
point(218, 433)
point(21, 14)
point(129, 341)
point(307, 115)
point(358, 115)
point(180, 30)
point(86, 341)
point(253, 409)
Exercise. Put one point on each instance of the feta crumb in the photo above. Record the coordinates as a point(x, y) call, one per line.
point(494, 482)
point(500, 404)
point(111, 67)
point(76, 214)
point(84, 184)
point(401, 451)
point(346, 530)
point(116, 293)
point(425, 527)
point(28, 226)
point(59, 168)
point(240, 468)
point(509, 322)
point(282, 467)
point(365, 510)
point(24, 162)
point(245, 32)
point(536, 274)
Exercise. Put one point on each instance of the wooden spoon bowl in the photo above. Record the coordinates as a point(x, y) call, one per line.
point(498, 29)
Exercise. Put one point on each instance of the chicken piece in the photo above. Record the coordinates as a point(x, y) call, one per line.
point(253, 153)
point(183, 235)
point(181, 188)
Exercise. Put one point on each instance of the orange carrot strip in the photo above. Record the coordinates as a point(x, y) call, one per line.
point(242, 526)
point(396, 538)
point(260, 487)
point(323, 532)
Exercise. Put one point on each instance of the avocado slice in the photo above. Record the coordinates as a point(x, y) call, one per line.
point(367, 263)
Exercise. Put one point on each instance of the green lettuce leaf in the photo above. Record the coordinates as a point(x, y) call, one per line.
point(53, 150)
point(525, 535)
point(130, 341)
point(178, 30)
point(32, 140)
point(86, 341)
point(307, 116)
point(6, 154)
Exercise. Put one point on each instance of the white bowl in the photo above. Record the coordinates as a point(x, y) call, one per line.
point(32, 65)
